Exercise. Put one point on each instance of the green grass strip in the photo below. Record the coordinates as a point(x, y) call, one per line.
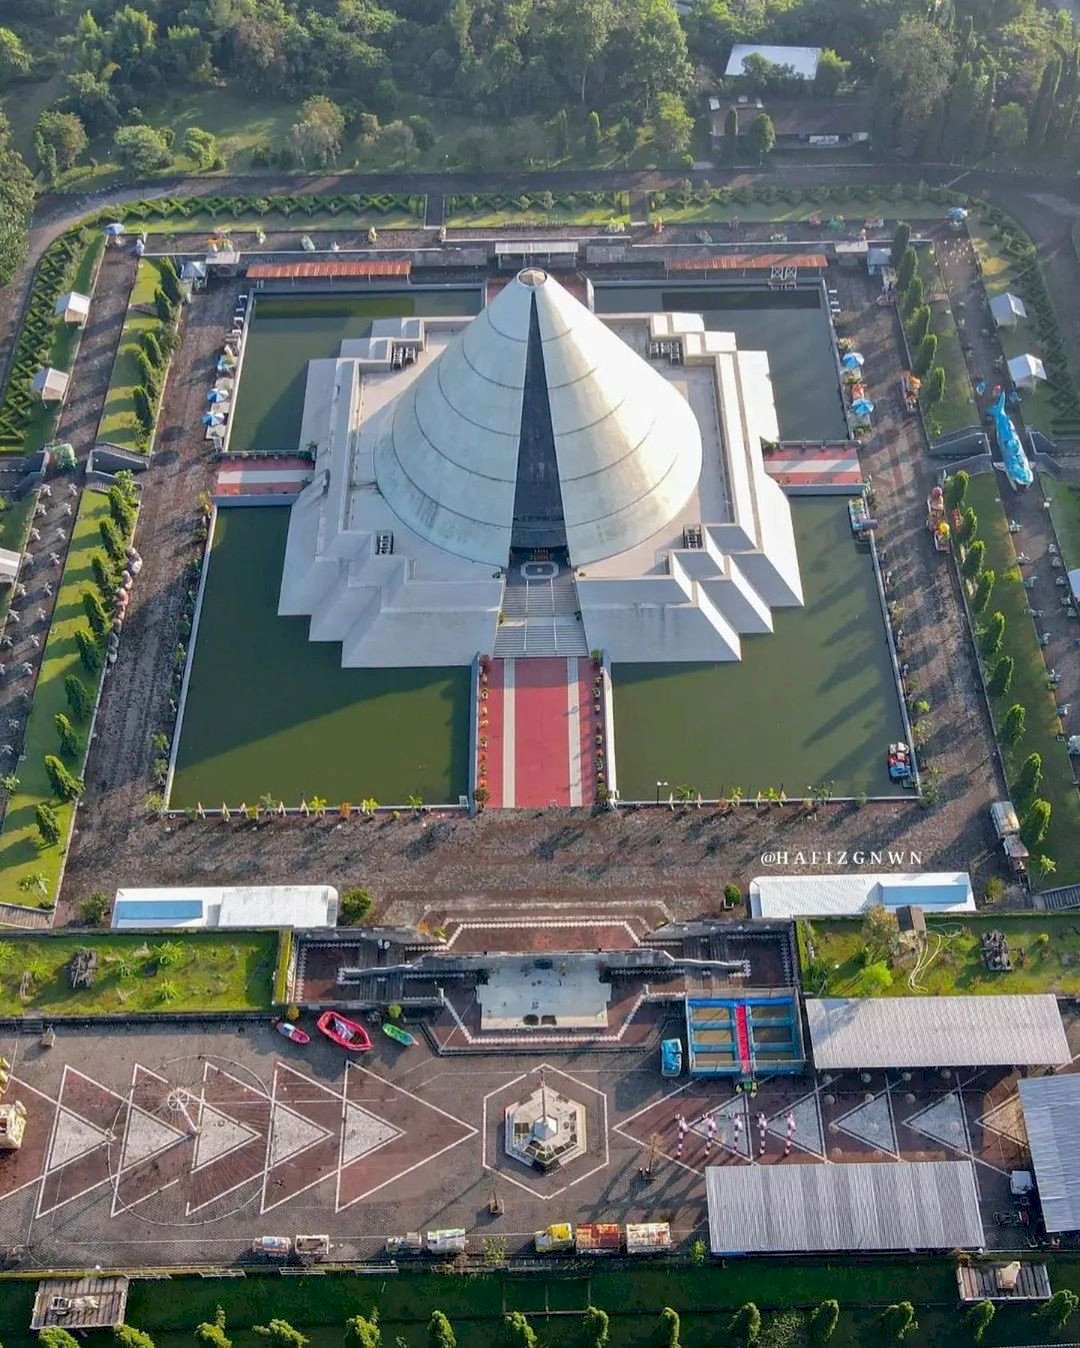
point(119, 425)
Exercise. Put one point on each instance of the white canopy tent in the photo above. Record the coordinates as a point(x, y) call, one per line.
point(50, 384)
point(9, 565)
point(1026, 371)
point(73, 308)
point(1007, 309)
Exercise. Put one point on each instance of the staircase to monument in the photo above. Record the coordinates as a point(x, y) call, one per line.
point(540, 619)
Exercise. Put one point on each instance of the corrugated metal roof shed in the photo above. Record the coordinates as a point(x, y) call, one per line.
point(773, 1209)
point(748, 262)
point(535, 247)
point(1018, 1281)
point(1051, 1108)
point(794, 896)
point(80, 1303)
point(283, 271)
point(851, 1033)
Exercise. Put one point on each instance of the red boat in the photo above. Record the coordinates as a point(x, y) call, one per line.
point(347, 1034)
point(291, 1031)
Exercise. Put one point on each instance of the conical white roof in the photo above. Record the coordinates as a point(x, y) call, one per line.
point(627, 446)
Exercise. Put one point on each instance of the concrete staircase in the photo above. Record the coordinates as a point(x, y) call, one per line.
point(539, 618)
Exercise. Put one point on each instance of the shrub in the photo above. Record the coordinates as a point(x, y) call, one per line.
point(1035, 824)
point(1030, 775)
point(440, 1332)
point(517, 1332)
point(822, 1323)
point(925, 354)
point(901, 240)
point(164, 307)
point(212, 1332)
point(671, 1327)
point(898, 1321)
point(65, 785)
point(732, 893)
point(152, 349)
point(95, 909)
point(281, 1334)
point(918, 324)
point(1056, 1311)
point(595, 1326)
point(955, 490)
point(978, 1319)
point(48, 826)
point(104, 578)
point(127, 1336)
point(355, 906)
point(70, 743)
point(905, 269)
point(1012, 728)
point(362, 1332)
point(993, 634)
point(745, 1325)
point(89, 650)
point(1001, 679)
point(983, 589)
point(933, 389)
point(95, 612)
point(144, 408)
point(973, 559)
point(78, 697)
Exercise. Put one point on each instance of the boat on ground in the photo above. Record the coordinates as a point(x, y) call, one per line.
point(291, 1031)
point(397, 1034)
point(347, 1034)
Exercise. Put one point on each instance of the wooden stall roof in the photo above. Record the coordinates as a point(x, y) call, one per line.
point(980, 1282)
point(747, 262)
point(94, 1303)
point(284, 271)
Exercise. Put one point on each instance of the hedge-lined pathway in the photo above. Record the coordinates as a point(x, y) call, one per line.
point(51, 533)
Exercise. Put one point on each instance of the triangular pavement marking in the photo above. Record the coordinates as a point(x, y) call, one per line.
point(147, 1137)
point(73, 1137)
point(809, 1135)
point(364, 1133)
point(218, 1136)
point(291, 1133)
point(872, 1123)
point(943, 1121)
point(1007, 1120)
point(726, 1114)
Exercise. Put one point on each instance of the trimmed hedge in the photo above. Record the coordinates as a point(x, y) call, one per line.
point(769, 195)
point(618, 203)
point(184, 208)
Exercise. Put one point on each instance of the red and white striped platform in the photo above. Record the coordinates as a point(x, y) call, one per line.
point(263, 477)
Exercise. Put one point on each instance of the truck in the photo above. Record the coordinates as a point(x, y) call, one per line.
point(450, 1240)
point(647, 1237)
point(598, 1238)
point(558, 1236)
point(1007, 828)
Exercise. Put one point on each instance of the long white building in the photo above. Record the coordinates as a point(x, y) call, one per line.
point(537, 480)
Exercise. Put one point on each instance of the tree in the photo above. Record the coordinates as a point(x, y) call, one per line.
point(905, 269)
point(1043, 106)
point(144, 410)
point(517, 1332)
point(91, 99)
point(63, 135)
point(731, 135)
point(64, 784)
point(95, 614)
point(978, 1319)
point(955, 490)
point(592, 135)
point(440, 1332)
point(913, 297)
point(93, 912)
point(823, 1322)
point(984, 587)
point(918, 324)
point(761, 137)
point(1012, 728)
point(900, 241)
point(170, 284)
point(992, 634)
point(89, 650)
point(1008, 132)
point(127, 1336)
point(898, 1321)
point(104, 577)
point(925, 354)
point(200, 146)
point(16, 203)
point(397, 144)
point(423, 132)
point(583, 28)
point(186, 54)
point(70, 744)
point(52, 1337)
point(672, 124)
point(281, 1334)
point(595, 1328)
point(962, 109)
point(626, 138)
point(152, 349)
point(14, 58)
point(48, 826)
point(671, 1327)
point(880, 932)
point(969, 525)
point(561, 130)
point(78, 697)
point(362, 1332)
point(131, 43)
point(1035, 823)
point(316, 135)
point(122, 507)
point(830, 74)
point(165, 308)
point(915, 62)
point(745, 1325)
point(141, 149)
point(1055, 1312)
point(933, 389)
point(1030, 775)
point(355, 906)
point(973, 559)
point(1045, 865)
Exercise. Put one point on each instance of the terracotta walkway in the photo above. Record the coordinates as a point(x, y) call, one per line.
point(282, 476)
point(538, 747)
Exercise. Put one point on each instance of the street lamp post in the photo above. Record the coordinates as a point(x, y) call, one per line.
point(658, 786)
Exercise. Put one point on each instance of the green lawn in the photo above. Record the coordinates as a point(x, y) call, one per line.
point(1029, 688)
point(1045, 949)
point(705, 1298)
point(118, 425)
point(599, 216)
point(852, 212)
point(270, 712)
point(140, 972)
point(297, 223)
point(1065, 513)
point(957, 409)
point(21, 854)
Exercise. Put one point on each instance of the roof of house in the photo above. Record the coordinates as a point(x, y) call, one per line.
point(793, 896)
point(49, 382)
point(773, 1209)
point(93, 1303)
point(72, 302)
point(278, 271)
point(747, 261)
point(1051, 1106)
point(803, 60)
point(848, 1033)
point(300, 906)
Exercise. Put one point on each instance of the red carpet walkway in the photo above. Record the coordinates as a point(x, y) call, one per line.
point(742, 1034)
point(538, 732)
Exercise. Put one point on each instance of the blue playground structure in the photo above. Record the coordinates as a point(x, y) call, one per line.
point(1017, 468)
point(744, 1036)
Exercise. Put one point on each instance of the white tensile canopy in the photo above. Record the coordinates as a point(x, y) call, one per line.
point(50, 384)
point(1026, 371)
point(73, 307)
point(1007, 309)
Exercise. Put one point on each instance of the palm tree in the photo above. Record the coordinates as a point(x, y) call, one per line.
point(369, 805)
point(267, 803)
point(414, 802)
point(318, 806)
point(772, 796)
point(1046, 865)
point(33, 883)
point(684, 794)
point(10, 783)
point(735, 795)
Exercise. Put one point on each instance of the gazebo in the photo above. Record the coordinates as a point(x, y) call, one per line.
point(1007, 310)
point(1026, 371)
point(50, 384)
point(73, 308)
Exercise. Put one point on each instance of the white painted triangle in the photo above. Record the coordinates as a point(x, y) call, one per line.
point(73, 1137)
point(872, 1123)
point(218, 1136)
point(146, 1137)
point(737, 1142)
point(943, 1121)
point(364, 1133)
point(1007, 1120)
point(291, 1133)
point(808, 1135)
